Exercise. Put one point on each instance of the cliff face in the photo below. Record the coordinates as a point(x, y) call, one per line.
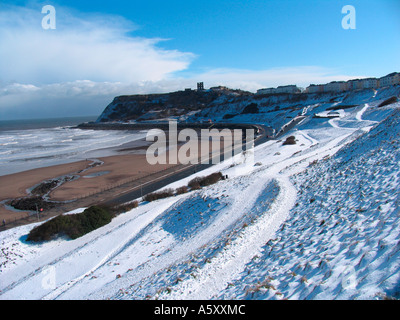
point(157, 106)
point(194, 106)
point(235, 106)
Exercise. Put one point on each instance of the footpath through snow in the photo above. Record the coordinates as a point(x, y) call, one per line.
point(342, 238)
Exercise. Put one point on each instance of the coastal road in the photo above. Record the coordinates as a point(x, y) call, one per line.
point(264, 134)
point(290, 125)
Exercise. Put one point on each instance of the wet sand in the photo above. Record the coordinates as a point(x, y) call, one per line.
point(115, 171)
point(108, 177)
point(15, 185)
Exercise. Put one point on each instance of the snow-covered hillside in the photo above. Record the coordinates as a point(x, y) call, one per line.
point(315, 220)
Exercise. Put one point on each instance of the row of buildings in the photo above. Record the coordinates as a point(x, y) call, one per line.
point(281, 89)
point(339, 86)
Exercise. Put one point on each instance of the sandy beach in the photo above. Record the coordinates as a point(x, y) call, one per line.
point(94, 180)
point(107, 174)
point(113, 172)
point(16, 185)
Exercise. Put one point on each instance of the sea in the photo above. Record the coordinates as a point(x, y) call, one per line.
point(37, 143)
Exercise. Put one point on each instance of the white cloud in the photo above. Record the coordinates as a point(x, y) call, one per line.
point(75, 98)
point(57, 100)
point(94, 47)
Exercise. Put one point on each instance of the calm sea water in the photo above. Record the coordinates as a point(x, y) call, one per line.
point(30, 144)
point(43, 123)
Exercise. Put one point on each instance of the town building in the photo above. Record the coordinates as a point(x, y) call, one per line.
point(200, 86)
point(390, 80)
point(280, 89)
point(370, 83)
point(266, 91)
point(288, 89)
point(354, 84)
point(335, 86)
point(315, 88)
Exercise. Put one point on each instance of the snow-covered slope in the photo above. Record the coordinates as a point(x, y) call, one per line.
point(315, 220)
point(342, 238)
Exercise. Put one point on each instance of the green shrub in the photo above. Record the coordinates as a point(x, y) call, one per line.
point(91, 219)
point(73, 226)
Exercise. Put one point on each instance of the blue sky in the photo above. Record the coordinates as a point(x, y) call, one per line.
point(260, 34)
point(105, 48)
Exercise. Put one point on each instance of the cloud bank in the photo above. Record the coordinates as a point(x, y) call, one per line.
point(84, 97)
point(93, 47)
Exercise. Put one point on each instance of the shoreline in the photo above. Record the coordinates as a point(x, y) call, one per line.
point(14, 186)
point(88, 188)
point(17, 185)
point(131, 142)
point(93, 184)
point(122, 168)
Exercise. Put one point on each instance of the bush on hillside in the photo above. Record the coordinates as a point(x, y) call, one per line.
point(124, 207)
point(194, 184)
point(181, 190)
point(73, 226)
point(388, 102)
point(252, 108)
point(229, 116)
point(211, 179)
point(158, 195)
point(199, 182)
point(290, 140)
